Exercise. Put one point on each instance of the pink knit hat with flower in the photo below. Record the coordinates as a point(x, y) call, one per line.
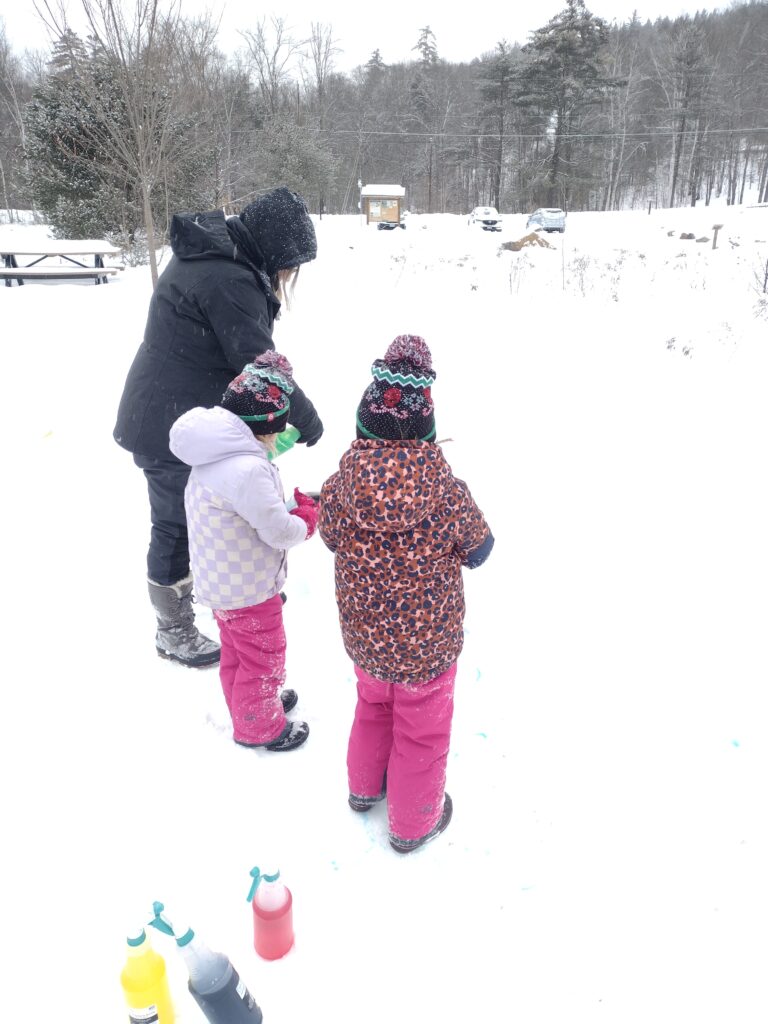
point(260, 395)
point(397, 404)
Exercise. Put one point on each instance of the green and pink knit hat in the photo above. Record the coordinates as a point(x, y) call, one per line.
point(397, 404)
point(260, 395)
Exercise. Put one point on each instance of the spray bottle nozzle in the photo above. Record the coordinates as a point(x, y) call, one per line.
point(160, 921)
point(137, 938)
point(257, 877)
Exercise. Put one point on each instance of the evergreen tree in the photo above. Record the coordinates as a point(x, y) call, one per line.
point(496, 75)
point(69, 173)
point(427, 47)
point(67, 54)
point(565, 76)
point(374, 62)
point(79, 178)
point(295, 158)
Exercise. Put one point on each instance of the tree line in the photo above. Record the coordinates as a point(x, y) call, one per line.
point(146, 115)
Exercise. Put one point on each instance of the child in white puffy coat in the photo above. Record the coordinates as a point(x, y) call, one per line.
point(239, 533)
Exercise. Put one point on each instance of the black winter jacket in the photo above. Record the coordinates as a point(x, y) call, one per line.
point(211, 313)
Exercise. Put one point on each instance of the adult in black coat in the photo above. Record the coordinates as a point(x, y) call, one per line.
point(213, 311)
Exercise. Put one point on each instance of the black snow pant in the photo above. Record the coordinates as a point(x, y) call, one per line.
point(168, 554)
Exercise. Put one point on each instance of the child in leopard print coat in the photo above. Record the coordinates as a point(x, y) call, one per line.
point(401, 527)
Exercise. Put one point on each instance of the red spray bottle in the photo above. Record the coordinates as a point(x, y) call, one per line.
point(272, 904)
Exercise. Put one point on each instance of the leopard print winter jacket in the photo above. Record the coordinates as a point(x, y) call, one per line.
point(401, 526)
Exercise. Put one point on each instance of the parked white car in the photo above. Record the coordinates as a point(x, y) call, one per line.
point(547, 219)
point(486, 217)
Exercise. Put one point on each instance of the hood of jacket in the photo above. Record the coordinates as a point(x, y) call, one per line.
point(392, 485)
point(198, 236)
point(204, 436)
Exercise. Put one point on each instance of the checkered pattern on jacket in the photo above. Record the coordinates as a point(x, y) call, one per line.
point(232, 567)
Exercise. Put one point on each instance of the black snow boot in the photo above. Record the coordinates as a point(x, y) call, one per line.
point(289, 699)
point(292, 736)
point(361, 804)
point(407, 845)
point(177, 636)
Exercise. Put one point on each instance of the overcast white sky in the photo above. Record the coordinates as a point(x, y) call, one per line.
point(392, 26)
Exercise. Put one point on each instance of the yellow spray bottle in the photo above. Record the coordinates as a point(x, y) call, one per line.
point(145, 983)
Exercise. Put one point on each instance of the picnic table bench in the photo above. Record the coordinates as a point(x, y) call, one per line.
point(65, 251)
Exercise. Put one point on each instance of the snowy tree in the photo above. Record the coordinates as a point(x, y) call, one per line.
point(273, 54)
point(564, 78)
point(496, 75)
point(375, 63)
point(16, 86)
point(427, 47)
point(133, 123)
point(322, 52)
point(70, 174)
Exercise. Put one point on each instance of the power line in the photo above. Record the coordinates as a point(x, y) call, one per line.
point(662, 133)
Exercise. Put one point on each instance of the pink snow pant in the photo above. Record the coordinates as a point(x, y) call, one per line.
point(404, 731)
point(252, 669)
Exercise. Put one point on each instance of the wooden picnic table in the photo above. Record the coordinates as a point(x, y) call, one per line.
point(70, 254)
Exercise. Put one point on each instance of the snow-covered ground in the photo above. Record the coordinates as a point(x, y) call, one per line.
point(605, 401)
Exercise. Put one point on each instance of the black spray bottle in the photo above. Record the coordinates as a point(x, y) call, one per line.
point(213, 981)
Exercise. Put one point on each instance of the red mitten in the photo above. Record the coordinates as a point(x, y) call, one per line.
point(301, 499)
point(309, 512)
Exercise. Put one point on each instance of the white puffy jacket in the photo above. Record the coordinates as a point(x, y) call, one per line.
point(239, 527)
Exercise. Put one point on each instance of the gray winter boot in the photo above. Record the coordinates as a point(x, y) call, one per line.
point(177, 636)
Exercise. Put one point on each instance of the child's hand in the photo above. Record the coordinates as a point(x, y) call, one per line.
point(306, 509)
point(303, 499)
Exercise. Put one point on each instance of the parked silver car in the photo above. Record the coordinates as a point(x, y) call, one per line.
point(486, 217)
point(547, 219)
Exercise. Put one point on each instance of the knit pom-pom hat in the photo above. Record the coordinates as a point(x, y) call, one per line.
point(397, 404)
point(260, 395)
